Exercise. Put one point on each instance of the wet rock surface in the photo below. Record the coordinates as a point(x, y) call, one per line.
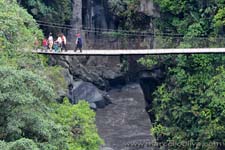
point(100, 71)
point(124, 124)
point(81, 90)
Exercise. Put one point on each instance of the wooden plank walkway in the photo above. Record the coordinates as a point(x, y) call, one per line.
point(136, 51)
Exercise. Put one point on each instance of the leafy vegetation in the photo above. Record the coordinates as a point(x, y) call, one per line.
point(79, 121)
point(191, 18)
point(47, 11)
point(30, 118)
point(189, 104)
point(17, 28)
point(128, 14)
point(187, 107)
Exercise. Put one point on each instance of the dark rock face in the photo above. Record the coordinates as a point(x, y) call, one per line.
point(124, 124)
point(96, 14)
point(149, 80)
point(100, 71)
point(86, 91)
point(87, 76)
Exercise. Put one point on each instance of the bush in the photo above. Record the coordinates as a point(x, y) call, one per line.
point(79, 123)
point(23, 144)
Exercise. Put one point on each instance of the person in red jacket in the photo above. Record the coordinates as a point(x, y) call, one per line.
point(45, 44)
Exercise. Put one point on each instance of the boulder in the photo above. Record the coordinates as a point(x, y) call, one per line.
point(81, 90)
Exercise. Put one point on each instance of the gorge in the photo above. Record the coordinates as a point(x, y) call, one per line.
point(111, 83)
point(62, 102)
point(116, 95)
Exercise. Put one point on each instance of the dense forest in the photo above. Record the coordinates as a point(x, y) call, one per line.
point(54, 11)
point(188, 106)
point(30, 118)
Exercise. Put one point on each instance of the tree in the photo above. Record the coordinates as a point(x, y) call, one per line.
point(28, 91)
point(18, 29)
point(128, 14)
point(47, 12)
point(20, 91)
point(79, 122)
point(219, 18)
point(189, 104)
point(192, 18)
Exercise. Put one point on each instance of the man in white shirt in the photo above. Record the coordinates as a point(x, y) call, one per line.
point(50, 41)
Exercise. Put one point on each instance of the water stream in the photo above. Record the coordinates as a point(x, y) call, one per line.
point(124, 124)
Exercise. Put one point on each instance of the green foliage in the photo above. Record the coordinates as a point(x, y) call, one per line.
point(56, 11)
point(55, 75)
point(190, 105)
point(70, 127)
point(23, 144)
point(128, 15)
point(192, 18)
point(219, 18)
point(3, 145)
point(28, 89)
point(20, 91)
point(148, 61)
point(17, 28)
point(79, 122)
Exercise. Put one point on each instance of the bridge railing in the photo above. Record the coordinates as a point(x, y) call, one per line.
point(113, 41)
point(120, 41)
point(98, 38)
point(188, 42)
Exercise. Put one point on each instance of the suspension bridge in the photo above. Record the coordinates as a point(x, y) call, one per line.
point(133, 51)
point(123, 42)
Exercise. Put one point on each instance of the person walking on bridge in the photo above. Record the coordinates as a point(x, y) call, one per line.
point(78, 43)
point(45, 44)
point(50, 41)
point(63, 37)
point(58, 43)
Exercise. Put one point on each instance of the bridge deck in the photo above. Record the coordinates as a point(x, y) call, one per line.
point(136, 51)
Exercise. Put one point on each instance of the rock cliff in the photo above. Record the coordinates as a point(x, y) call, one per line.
point(91, 17)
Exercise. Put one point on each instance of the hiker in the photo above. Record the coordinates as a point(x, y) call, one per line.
point(45, 44)
point(50, 41)
point(58, 43)
point(78, 43)
point(63, 37)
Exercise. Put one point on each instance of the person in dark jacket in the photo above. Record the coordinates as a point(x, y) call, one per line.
point(78, 43)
